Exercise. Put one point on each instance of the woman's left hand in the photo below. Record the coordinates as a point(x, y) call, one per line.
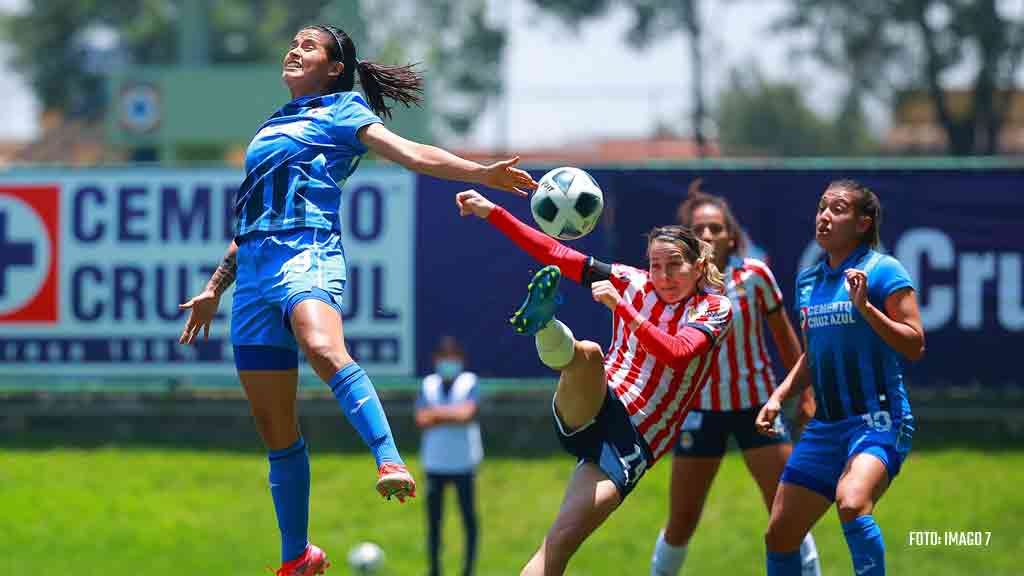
point(857, 281)
point(605, 293)
point(505, 176)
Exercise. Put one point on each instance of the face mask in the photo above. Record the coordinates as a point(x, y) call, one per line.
point(448, 369)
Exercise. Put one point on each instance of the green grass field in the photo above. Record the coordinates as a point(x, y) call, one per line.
point(156, 512)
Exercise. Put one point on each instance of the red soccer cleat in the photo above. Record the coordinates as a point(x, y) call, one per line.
point(395, 480)
point(312, 561)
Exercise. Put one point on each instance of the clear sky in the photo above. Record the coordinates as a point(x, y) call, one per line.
point(572, 83)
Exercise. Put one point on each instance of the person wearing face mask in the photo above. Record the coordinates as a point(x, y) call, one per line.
point(861, 323)
point(741, 381)
point(450, 448)
point(290, 265)
point(617, 413)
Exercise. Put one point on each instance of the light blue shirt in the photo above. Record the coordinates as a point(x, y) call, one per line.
point(298, 161)
point(450, 448)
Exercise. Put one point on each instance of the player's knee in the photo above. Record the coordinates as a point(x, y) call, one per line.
point(852, 503)
point(276, 431)
point(589, 351)
point(778, 539)
point(322, 351)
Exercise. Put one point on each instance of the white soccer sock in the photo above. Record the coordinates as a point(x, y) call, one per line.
point(555, 345)
point(809, 564)
point(667, 559)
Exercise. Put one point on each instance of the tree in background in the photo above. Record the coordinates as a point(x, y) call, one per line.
point(66, 47)
point(893, 47)
point(760, 118)
point(456, 40)
point(651, 20)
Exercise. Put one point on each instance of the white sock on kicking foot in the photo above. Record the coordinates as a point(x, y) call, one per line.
point(667, 559)
point(555, 345)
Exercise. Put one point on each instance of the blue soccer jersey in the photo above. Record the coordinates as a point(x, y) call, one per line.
point(298, 161)
point(853, 371)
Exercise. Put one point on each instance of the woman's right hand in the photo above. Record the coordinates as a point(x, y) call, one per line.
point(202, 308)
point(473, 202)
point(766, 418)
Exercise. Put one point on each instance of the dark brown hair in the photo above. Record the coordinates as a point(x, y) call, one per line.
point(695, 198)
point(449, 346)
point(398, 83)
point(866, 203)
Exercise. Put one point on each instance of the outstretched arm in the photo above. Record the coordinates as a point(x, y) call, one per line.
point(434, 161)
point(543, 248)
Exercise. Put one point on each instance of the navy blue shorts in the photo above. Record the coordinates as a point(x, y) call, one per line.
point(705, 433)
point(610, 441)
point(819, 458)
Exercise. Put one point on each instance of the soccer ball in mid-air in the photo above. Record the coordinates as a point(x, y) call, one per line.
point(567, 203)
point(365, 558)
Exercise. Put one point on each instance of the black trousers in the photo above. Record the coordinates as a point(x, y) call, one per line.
point(464, 487)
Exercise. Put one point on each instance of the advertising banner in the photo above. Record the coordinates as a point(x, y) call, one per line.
point(93, 265)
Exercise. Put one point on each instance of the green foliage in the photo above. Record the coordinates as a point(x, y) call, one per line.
point(172, 512)
point(888, 48)
point(463, 48)
point(46, 38)
point(762, 118)
point(651, 18)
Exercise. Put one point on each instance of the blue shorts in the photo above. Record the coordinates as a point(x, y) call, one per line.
point(610, 441)
point(819, 458)
point(276, 271)
point(705, 433)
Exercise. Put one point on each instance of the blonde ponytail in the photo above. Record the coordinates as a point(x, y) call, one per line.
point(711, 279)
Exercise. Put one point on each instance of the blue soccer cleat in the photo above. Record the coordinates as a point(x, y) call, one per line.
point(542, 299)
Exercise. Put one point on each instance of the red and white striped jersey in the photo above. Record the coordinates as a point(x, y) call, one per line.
point(656, 395)
point(742, 376)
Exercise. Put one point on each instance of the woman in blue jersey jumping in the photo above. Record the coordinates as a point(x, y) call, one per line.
point(860, 319)
point(290, 262)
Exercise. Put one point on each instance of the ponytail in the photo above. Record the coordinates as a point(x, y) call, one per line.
point(711, 279)
point(399, 83)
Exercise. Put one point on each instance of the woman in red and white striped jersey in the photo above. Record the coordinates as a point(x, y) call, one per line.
point(741, 381)
point(619, 411)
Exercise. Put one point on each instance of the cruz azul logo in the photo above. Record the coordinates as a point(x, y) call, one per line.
point(29, 251)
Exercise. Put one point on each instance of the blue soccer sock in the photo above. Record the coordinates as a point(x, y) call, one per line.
point(359, 401)
point(784, 563)
point(867, 549)
point(289, 487)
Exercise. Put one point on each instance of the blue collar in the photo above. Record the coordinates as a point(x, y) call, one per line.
point(849, 262)
point(303, 102)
